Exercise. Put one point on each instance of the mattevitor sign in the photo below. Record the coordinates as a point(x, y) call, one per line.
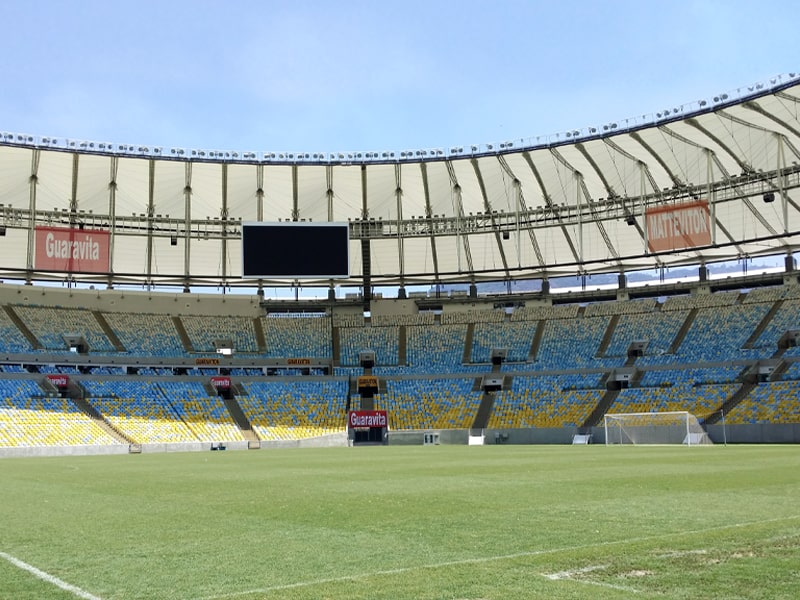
point(72, 250)
point(678, 226)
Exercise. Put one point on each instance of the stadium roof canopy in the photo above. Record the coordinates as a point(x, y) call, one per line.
point(717, 179)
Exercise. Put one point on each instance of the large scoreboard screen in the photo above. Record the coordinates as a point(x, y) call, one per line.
point(296, 250)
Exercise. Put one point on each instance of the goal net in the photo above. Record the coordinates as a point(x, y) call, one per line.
point(677, 427)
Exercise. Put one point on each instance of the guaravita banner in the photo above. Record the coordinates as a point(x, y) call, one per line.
point(72, 250)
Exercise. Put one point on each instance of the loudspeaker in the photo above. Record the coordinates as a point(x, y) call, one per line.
point(769, 197)
point(173, 241)
point(2, 230)
point(506, 235)
point(630, 220)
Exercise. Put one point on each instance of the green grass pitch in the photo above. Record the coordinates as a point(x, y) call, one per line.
point(405, 523)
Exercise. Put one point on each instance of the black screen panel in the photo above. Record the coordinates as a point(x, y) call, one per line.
point(296, 250)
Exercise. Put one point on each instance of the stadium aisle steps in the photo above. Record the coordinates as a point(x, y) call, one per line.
point(187, 343)
point(112, 337)
point(98, 418)
point(22, 327)
point(241, 420)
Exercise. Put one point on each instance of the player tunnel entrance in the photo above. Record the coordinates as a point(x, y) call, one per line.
point(367, 425)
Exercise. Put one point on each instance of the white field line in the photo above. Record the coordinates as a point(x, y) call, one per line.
point(573, 574)
point(52, 579)
point(486, 559)
point(681, 553)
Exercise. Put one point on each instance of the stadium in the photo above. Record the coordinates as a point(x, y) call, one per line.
point(633, 282)
point(489, 346)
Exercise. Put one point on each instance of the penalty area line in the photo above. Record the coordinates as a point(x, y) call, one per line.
point(51, 579)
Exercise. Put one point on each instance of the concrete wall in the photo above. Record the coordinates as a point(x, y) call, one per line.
point(731, 434)
point(325, 441)
point(132, 301)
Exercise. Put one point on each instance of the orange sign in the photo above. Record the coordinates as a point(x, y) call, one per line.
point(366, 381)
point(678, 226)
point(206, 361)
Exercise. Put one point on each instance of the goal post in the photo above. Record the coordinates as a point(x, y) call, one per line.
point(672, 427)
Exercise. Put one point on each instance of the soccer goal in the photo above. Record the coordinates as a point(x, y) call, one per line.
point(678, 427)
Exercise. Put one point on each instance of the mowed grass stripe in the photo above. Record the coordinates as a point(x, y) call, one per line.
point(572, 575)
point(210, 524)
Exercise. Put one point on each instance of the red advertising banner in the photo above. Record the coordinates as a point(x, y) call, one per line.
point(73, 250)
point(367, 418)
point(221, 382)
point(678, 226)
point(60, 381)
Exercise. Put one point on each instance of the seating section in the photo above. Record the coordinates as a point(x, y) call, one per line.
point(203, 332)
point(692, 377)
point(514, 336)
point(720, 333)
point(545, 312)
point(297, 337)
point(11, 338)
point(772, 402)
point(572, 344)
point(49, 325)
point(785, 318)
point(294, 410)
point(384, 341)
point(700, 301)
point(474, 316)
point(428, 363)
point(436, 348)
point(146, 335)
point(543, 402)
point(30, 418)
point(430, 403)
point(623, 307)
point(700, 400)
point(162, 411)
point(658, 328)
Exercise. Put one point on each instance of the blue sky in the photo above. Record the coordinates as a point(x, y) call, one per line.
point(380, 75)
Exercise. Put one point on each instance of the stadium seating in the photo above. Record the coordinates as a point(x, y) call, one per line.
point(430, 403)
point(543, 402)
point(29, 418)
point(436, 348)
point(203, 333)
point(516, 337)
point(145, 334)
point(11, 338)
point(700, 400)
point(429, 364)
point(281, 410)
point(297, 337)
point(572, 343)
point(384, 341)
point(49, 325)
point(774, 402)
point(657, 327)
point(140, 409)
